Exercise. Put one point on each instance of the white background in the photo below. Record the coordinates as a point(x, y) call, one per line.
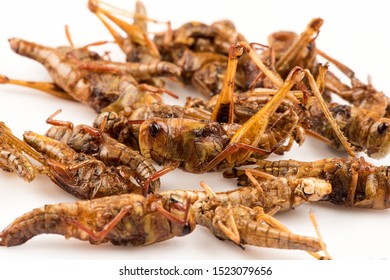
point(356, 33)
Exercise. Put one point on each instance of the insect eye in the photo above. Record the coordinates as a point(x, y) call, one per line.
point(154, 129)
point(382, 128)
point(186, 229)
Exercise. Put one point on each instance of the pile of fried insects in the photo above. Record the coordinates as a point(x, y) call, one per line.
point(258, 100)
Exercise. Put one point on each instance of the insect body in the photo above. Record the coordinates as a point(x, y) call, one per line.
point(355, 182)
point(84, 75)
point(11, 158)
point(88, 140)
point(127, 219)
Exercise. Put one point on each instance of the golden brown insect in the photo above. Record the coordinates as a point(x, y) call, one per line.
point(137, 46)
point(365, 123)
point(238, 215)
point(11, 158)
point(364, 129)
point(273, 194)
point(244, 225)
point(201, 51)
point(127, 219)
point(136, 220)
point(124, 125)
point(94, 142)
point(84, 75)
point(357, 94)
point(80, 174)
point(199, 146)
point(355, 182)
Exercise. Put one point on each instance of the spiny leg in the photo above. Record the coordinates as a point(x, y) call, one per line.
point(278, 82)
point(325, 109)
point(250, 133)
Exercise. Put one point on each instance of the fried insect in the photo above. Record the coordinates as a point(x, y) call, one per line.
point(124, 126)
point(85, 76)
point(201, 51)
point(80, 174)
point(251, 226)
point(199, 146)
point(198, 49)
point(11, 159)
point(355, 182)
point(364, 123)
point(358, 94)
point(273, 194)
point(127, 219)
point(137, 46)
point(238, 215)
point(364, 129)
point(92, 141)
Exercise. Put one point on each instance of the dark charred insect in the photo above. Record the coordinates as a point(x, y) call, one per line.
point(127, 219)
point(355, 182)
point(92, 141)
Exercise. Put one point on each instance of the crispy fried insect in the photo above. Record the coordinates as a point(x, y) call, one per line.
point(355, 182)
point(273, 194)
point(93, 141)
point(11, 159)
point(79, 174)
point(124, 126)
point(358, 94)
point(137, 46)
point(238, 215)
point(199, 146)
point(244, 225)
point(85, 76)
point(127, 219)
point(365, 131)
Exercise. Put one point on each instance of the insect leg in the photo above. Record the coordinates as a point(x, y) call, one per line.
point(49, 88)
point(98, 236)
point(52, 121)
